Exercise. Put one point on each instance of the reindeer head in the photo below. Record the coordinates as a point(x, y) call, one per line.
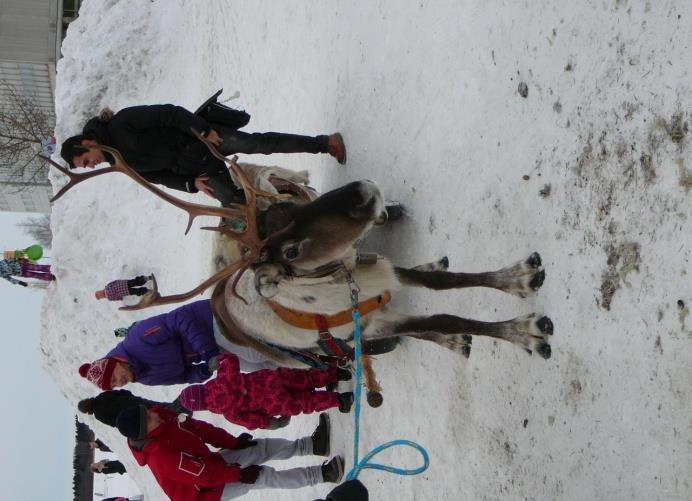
point(297, 237)
point(322, 231)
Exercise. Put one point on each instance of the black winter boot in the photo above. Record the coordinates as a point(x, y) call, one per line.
point(341, 375)
point(333, 470)
point(345, 402)
point(320, 437)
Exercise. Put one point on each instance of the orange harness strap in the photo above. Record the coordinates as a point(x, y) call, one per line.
point(306, 320)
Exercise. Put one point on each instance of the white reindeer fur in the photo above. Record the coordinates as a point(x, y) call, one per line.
point(331, 296)
point(259, 176)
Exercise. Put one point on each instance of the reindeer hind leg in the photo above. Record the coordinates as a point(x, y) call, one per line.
point(460, 343)
point(529, 332)
point(439, 265)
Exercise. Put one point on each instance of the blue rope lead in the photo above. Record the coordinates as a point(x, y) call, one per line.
point(365, 463)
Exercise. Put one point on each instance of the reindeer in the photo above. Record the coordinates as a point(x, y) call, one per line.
point(299, 276)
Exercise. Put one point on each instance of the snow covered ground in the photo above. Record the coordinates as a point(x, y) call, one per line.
point(505, 127)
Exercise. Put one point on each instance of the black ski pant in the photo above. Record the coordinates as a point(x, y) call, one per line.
point(265, 143)
point(134, 286)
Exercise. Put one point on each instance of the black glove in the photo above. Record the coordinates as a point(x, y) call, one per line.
point(245, 441)
point(177, 407)
point(213, 363)
point(249, 475)
point(23, 284)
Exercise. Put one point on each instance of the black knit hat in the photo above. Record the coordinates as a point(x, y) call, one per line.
point(132, 422)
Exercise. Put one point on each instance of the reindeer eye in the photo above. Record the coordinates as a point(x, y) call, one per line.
point(292, 252)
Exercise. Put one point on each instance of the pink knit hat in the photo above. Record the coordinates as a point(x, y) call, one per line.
point(99, 372)
point(192, 398)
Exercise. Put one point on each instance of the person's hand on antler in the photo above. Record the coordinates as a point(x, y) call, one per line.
point(214, 137)
point(202, 185)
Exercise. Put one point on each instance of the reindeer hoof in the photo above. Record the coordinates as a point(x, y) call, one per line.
point(466, 348)
point(545, 325)
point(544, 350)
point(537, 280)
point(534, 260)
point(374, 398)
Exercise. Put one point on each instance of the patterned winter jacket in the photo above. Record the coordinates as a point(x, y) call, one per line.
point(249, 400)
point(177, 454)
point(231, 393)
point(116, 290)
point(172, 348)
point(10, 267)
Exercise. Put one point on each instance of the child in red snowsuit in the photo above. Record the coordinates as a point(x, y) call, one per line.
point(251, 400)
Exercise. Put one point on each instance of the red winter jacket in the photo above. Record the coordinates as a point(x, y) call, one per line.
point(177, 454)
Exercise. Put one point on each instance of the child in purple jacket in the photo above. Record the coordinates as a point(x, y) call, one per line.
point(170, 348)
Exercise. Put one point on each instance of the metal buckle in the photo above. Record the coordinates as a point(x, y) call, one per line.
point(353, 286)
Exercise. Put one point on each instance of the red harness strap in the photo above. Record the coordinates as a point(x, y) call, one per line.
point(335, 348)
point(330, 345)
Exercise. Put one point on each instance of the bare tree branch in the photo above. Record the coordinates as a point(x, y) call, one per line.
point(24, 124)
point(38, 228)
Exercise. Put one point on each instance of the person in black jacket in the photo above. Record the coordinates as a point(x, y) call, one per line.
point(157, 141)
point(107, 405)
point(107, 467)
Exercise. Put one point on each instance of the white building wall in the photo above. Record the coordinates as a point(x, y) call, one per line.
point(29, 30)
point(31, 198)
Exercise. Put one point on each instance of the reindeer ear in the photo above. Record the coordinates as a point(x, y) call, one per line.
point(267, 279)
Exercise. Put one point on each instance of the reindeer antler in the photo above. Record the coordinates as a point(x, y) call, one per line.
point(154, 298)
point(251, 245)
point(74, 178)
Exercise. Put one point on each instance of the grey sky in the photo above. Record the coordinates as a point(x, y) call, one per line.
point(36, 422)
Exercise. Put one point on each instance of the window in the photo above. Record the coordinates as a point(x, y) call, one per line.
point(70, 12)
